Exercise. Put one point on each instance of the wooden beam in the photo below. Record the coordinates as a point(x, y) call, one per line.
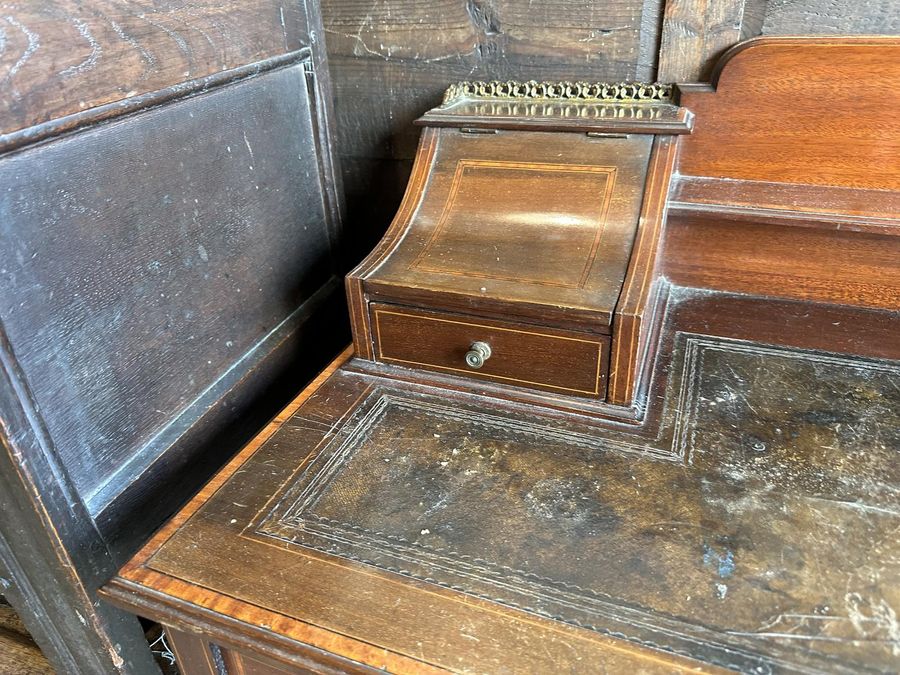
point(696, 32)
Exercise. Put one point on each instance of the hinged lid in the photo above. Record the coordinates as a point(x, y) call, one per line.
point(537, 226)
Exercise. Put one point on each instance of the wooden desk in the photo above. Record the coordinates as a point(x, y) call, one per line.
point(376, 524)
point(740, 514)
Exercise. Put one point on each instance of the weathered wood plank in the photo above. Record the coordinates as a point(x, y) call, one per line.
point(392, 60)
point(208, 134)
point(228, 170)
point(63, 56)
point(837, 17)
point(696, 32)
point(20, 655)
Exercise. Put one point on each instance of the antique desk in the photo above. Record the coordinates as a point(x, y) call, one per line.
point(624, 394)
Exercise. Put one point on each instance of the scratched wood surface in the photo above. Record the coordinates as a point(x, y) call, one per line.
point(107, 428)
point(63, 56)
point(831, 17)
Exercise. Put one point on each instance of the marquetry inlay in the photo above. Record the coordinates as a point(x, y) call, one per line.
point(560, 521)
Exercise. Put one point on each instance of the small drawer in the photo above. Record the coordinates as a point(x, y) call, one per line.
point(520, 354)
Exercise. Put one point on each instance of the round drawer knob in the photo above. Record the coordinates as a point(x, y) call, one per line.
point(478, 354)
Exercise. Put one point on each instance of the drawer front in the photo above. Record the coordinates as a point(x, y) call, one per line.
point(520, 354)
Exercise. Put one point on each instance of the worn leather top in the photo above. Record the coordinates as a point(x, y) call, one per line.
point(756, 530)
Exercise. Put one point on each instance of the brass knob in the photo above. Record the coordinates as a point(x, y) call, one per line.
point(478, 354)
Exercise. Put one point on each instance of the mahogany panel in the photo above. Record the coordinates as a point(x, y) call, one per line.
point(532, 225)
point(802, 122)
point(639, 307)
point(238, 663)
point(771, 260)
point(193, 654)
point(803, 205)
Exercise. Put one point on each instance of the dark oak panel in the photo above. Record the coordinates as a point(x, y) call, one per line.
point(831, 17)
point(169, 228)
point(113, 50)
point(125, 301)
point(695, 33)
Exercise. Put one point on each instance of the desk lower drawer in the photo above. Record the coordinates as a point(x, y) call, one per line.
point(520, 354)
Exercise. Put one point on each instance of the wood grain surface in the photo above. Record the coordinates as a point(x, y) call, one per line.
point(18, 652)
point(20, 656)
point(831, 17)
point(391, 60)
point(556, 215)
point(123, 124)
point(63, 56)
point(696, 32)
point(638, 310)
point(848, 268)
point(801, 123)
point(109, 391)
point(521, 354)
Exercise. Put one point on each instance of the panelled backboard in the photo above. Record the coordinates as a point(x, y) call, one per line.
point(169, 265)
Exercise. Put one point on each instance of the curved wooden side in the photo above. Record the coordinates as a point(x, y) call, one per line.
point(359, 319)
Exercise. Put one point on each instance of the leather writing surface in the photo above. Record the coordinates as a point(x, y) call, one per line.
point(756, 523)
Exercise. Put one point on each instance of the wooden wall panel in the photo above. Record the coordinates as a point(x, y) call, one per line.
point(130, 232)
point(696, 32)
point(391, 61)
point(170, 274)
point(832, 17)
point(60, 57)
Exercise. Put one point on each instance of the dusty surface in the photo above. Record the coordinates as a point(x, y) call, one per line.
point(759, 531)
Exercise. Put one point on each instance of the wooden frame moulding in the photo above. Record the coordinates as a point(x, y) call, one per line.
point(643, 292)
